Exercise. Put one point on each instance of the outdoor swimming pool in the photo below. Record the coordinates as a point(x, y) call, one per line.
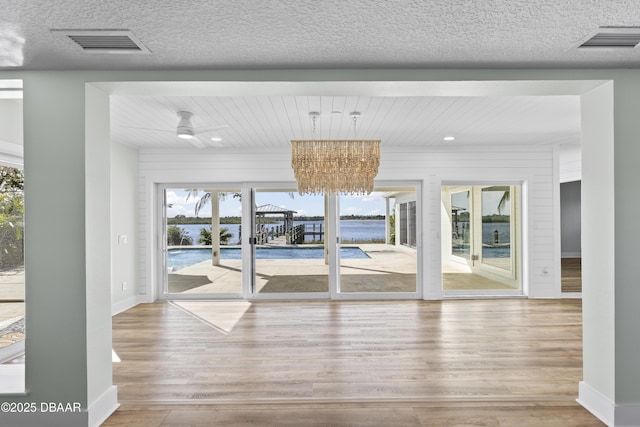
point(183, 257)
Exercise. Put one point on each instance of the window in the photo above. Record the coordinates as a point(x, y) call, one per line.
point(11, 263)
point(407, 223)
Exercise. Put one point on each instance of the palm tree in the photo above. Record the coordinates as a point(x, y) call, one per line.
point(177, 236)
point(206, 198)
point(216, 231)
point(205, 236)
point(504, 199)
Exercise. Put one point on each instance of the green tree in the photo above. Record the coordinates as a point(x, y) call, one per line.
point(205, 236)
point(177, 236)
point(392, 229)
point(225, 235)
point(206, 198)
point(11, 179)
point(11, 218)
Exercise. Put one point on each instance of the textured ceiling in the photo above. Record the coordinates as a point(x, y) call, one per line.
point(319, 34)
point(211, 34)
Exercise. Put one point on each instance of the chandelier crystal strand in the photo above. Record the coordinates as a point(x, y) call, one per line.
point(335, 166)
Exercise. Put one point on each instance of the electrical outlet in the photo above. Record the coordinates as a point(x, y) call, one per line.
point(122, 239)
point(124, 285)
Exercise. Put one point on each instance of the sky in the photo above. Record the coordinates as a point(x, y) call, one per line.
point(490, 202)
point(371, 204)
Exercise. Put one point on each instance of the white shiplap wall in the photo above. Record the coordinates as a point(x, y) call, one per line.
point(536, 168)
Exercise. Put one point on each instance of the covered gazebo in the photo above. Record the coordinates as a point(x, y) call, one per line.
point(284, 230)
point(264, 210)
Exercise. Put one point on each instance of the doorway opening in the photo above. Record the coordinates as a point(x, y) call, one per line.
point(387, 233)
point(289, 253)
point(202, 234)
point(12, 232)
point(269, 242)
point(481, 240)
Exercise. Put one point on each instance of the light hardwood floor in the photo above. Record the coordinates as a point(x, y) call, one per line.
point(405, 363)
point(571, 274)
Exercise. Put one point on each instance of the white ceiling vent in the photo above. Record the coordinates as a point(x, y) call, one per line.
point(612, 38)
point(105, 41)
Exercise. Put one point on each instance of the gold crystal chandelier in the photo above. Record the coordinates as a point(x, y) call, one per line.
point(346, 166)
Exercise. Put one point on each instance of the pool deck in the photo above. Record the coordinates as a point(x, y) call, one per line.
point(11, 305)
point(388, 269)
point(11, 294)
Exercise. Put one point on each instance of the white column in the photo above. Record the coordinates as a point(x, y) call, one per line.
point(215, 227)
point(326, 221)
point(387, 227)
point(611, 366)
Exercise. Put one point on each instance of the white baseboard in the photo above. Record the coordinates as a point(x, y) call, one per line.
point(12, 380)
point(596, 403)
point(124, 305)
point(97, 413)
point(572, 295)
point(571, 255)
point(145, 299)
point(103, 407)
point(607, 411)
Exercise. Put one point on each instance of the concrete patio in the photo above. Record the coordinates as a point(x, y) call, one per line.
point(388, 269)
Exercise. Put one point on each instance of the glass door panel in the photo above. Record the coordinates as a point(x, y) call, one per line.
point(203, 237)
point(290, 254)
point(496, 227)
point(461, 224)
point(378, 237)
point(480, 257)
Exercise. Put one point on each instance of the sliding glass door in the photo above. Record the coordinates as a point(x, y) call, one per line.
point(378, 243)
point(497, 227)
point(481, 239)
point(287, 245)
point(202, 242)
point(289, 250)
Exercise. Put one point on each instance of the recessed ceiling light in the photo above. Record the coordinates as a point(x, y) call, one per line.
point(449, 138)
point(216, 138)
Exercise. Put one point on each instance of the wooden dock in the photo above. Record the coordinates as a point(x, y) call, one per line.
point(299, 232)
point(279, 236)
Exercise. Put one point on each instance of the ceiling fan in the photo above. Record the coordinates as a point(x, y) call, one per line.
point(185, 130)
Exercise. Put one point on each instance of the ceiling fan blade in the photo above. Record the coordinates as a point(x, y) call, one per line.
point(196, 142)
point(217, 144)
point(149, 129)
point(209, 129)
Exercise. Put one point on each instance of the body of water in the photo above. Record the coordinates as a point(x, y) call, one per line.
point(180, 258)
point(494, 245)
point(350, 230)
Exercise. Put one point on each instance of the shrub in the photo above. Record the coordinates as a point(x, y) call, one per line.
point(205, 236)
point(177, 236)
